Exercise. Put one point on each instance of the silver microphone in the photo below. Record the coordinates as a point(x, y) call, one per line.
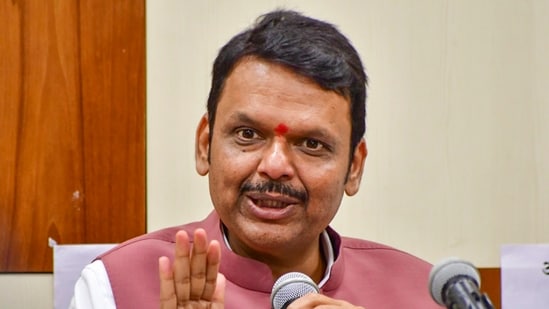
point(455, 284)
point(290, 287)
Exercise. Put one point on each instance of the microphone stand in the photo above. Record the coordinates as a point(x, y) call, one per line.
point(454, 297)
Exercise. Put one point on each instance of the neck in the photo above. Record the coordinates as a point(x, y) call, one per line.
point(312, 264)
point(309, 260)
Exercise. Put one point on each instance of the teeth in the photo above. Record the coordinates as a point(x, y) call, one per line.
point(271, 204)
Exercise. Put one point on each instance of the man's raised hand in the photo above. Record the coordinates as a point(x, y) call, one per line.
point(192, 280)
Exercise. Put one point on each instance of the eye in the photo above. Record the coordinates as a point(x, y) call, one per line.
point(247, 134)
point(311, 144)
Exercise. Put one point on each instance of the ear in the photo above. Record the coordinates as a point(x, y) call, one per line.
point(202, 146)
point(357, 167)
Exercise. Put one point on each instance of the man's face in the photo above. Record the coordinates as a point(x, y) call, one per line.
point(279, 157)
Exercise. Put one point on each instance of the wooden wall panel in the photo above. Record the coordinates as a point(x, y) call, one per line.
point(72, 135)
point(113, 71)
point(490, 283)
point(10, 93)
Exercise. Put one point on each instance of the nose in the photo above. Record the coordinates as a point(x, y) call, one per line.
point(276, 162)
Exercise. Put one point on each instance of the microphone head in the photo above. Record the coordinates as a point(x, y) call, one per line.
point(289, 287)
point(445, 271)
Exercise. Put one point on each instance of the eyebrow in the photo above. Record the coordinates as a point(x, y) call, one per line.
point(242, 117)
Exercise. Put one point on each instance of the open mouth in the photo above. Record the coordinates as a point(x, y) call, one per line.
point(270, 203)
point(272, 206)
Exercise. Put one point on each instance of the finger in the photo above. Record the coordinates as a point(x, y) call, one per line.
point(167, 289)
point(318, 301)
point(198, 264)
point(213, 258)
point(218, 298)
point(181, 264)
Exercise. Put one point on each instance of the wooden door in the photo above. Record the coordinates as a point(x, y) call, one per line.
point(72, 126)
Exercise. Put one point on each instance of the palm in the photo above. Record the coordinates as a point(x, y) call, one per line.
point(192, 281)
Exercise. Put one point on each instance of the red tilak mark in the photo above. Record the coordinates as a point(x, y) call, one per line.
point(281, 129)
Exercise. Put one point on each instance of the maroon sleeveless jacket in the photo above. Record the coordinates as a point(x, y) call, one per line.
point(364, 273)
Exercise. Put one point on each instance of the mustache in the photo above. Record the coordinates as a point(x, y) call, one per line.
point(275, 187)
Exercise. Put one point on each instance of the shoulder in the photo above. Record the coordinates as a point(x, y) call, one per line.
point(378, 270)
point(161, 238)
point(93, 288)
point(377, 251)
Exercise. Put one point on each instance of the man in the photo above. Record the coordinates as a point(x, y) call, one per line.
point(281, 142)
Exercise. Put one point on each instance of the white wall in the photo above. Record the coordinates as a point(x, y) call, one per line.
point(458, 122)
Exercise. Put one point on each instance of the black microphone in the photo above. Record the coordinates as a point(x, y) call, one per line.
point(455, 283)
point(290, 287)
